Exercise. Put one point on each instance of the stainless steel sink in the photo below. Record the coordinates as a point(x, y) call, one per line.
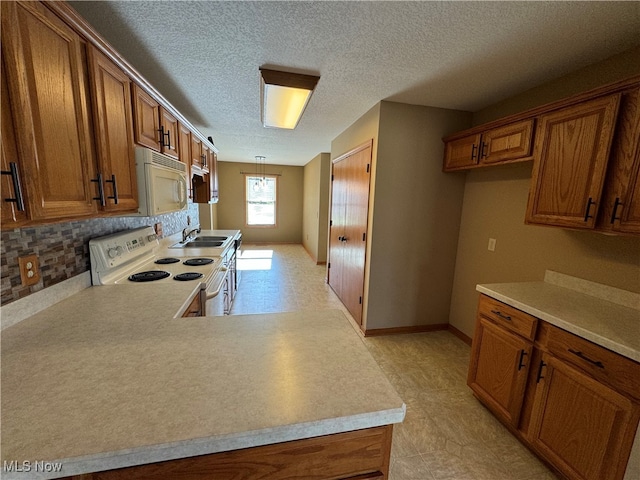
point(198, 244)
point(205, 238)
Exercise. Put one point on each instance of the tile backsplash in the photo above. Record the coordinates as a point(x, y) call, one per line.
point(63, 248)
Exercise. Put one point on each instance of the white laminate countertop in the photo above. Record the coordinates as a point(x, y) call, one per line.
point(106, 379)
point(604, 315)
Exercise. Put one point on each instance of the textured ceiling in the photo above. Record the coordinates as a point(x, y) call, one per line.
point(204, 57)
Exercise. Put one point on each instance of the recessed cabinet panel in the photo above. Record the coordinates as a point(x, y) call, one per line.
point(146, 119)
point(462, 153)
point(582, 426)
point(498, 371)
point(13, 208)
point(507, 143)
point(621, 196)
point(47, 76)
point(113, 121)
point(571, 154)
point(169, 133)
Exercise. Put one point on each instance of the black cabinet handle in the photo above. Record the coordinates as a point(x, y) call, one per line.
point(540, 377)
point(586, 215)
point(616, 204)
point(18, 199)
point(501, 315)
point(474, 151)
point(520, 364)
point(587, 359)
point(100, 190)
point(483, 150)
point(115, 189)
point(164, 134)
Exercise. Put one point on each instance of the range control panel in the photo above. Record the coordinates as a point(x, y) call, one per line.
point(113, 250)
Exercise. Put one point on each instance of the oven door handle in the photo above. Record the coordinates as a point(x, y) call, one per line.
point(218, 283)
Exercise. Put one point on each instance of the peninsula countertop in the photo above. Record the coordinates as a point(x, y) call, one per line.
point(607, 316)
point(106, 379)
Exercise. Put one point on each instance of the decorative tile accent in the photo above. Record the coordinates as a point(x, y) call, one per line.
point(63, 248)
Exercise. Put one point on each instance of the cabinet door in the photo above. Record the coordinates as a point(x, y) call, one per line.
point(48, 86)
point(583, 427)
point(196, 152)
point(184, 152)
point(570, 160)
point(12, 203)
point(507, 144)
point(146, 119)
point(169, 134)
point(113, 123)
point(621, 197)
point(498, 369)
point(462, 153)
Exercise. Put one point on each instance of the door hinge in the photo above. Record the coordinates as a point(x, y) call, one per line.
point(330, 223)
point(364, 236)
point(367, 168)
point(332, 177)
point(360, 300)
point(329, 265)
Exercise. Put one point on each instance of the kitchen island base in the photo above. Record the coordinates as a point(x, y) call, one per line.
point(357, 455)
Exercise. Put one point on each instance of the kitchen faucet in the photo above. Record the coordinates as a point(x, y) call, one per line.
point(186, 233)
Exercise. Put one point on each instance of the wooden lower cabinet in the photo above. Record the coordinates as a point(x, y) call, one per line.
point(584, 427)
point(358, 455)
point(498, 372)
point(195, 308)
point(578, 408)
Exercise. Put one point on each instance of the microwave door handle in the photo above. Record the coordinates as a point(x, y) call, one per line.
point(181, 186)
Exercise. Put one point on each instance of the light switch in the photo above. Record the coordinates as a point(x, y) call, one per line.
point(492, 244)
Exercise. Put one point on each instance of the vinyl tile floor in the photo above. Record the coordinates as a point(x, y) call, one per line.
point(446, 434)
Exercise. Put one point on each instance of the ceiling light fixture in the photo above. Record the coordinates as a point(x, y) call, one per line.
point(284, 96)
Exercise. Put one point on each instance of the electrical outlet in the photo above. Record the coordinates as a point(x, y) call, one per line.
point(492, 244)
point(29, 270)
point(158, 229)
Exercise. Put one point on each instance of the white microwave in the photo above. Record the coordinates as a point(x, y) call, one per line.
point(162, 183)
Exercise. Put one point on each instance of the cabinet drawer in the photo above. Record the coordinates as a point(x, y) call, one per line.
point(620, 372)
point(511, 318)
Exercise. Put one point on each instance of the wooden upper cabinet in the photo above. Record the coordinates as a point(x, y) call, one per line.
point(571, 153)
point(12, 204)
point(582, 426)
point(47, 79)
point(196, 153)
point(146, 119)
point(620, 210)
point(113, 122)
point(461, 153)
point(184, 152)
point(169, 134)
point(508, 143)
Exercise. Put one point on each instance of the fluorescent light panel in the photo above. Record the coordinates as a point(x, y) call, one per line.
point(284, 97)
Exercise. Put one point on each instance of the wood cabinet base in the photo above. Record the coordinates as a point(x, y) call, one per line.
point(361, 454)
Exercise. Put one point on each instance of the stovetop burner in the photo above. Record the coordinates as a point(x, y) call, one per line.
point(166, 260)
point(187, 276)
point(198, 261)
point(149, 276)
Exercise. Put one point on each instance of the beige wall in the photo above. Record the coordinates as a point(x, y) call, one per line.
point(231, 207)
point(494, 206)
point(414, 213)
point(315, 216)
point(416, 216)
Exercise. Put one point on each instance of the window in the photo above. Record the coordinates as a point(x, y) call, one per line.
point(261, 200)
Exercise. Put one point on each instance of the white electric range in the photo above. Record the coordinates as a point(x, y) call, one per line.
point(132, 257)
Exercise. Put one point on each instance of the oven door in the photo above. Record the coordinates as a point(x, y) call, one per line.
point(216, 303)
